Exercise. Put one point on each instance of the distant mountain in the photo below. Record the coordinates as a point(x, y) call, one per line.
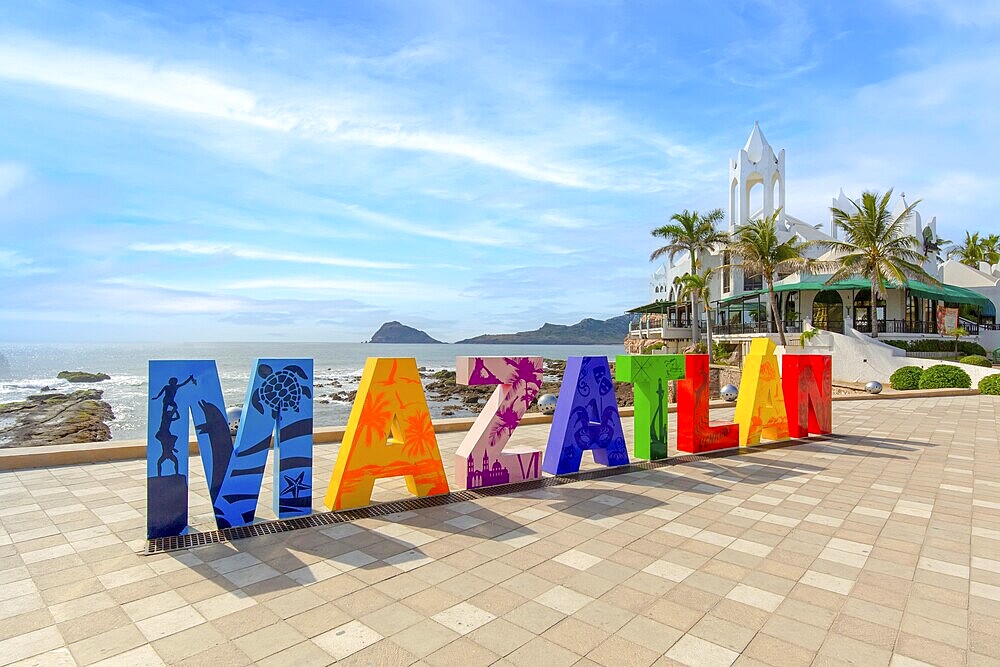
point(394, 332)
point(584, 332)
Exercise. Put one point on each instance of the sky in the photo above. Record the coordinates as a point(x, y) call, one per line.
point(259, 171)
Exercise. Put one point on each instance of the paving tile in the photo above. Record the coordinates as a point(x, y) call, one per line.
point(424, 638)
point(461, 653)
point(575, 635)
point(463, 618)
point(143, 655)
point(563, 599)
point(696, 652)
point(267, 641)
point(347, 639)
point(755, 597)
point(501, 637)
point(168, 623)
point(540, 651)
point(29, 644)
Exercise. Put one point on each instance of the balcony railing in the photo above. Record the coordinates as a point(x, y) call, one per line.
point(656, 326)
point(738, 328)
point(969, 325)
point(897, 327)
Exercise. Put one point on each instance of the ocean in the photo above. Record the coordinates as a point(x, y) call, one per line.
point(27, 369)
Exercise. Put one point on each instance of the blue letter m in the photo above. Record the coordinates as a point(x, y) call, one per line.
point(278, 406)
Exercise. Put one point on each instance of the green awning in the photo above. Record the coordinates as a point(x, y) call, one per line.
point(947, 293)
point(655, 307)
point(816, 285)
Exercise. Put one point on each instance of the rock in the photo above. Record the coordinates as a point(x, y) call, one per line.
point(56, 419)
point(396, 332)
point(83, 376)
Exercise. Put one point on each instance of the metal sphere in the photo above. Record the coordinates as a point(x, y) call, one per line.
point(729, 393)
point(547, 403)
point(233, 417)
point(874, 387)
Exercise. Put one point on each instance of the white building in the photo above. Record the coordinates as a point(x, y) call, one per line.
point(757, 189)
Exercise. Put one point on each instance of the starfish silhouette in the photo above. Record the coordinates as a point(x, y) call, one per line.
point(294, 486)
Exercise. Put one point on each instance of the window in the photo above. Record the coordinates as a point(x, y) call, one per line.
point(751, 283)
point(726, 275)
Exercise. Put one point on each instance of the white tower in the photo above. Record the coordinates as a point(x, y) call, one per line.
point(844, 203)
point(756, 164)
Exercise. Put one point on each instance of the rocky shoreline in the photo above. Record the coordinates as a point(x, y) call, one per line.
point(56, 419)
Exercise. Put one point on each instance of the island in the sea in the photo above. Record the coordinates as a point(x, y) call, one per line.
point(585, 332)
point(396, 332)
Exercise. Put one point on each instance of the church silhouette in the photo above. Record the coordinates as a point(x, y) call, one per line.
point(488, 476)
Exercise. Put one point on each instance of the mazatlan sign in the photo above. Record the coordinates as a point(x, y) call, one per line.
point(390, 434)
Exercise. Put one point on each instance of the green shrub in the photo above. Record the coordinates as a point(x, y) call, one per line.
point(966, 347)
point(943, 376)
point(976, 360)
point(990, 385)
point(905, 378)
point(721, 352)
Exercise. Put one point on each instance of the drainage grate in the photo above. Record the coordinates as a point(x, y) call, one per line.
point(177, 542)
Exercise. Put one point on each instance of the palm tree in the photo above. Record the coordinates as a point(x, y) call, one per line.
point(971, 252)
point(991, 248)
point(760, 252)
point(693, 233)
point(697, 285)
point(877, 248)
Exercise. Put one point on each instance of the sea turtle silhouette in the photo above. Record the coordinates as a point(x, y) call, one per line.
point(280, 390)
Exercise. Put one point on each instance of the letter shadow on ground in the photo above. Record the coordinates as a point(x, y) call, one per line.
point(351, 555)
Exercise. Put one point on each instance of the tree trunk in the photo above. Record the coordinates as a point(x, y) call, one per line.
point(872, 309)
point(773, 298)
point(708, 333)
point(695, 328)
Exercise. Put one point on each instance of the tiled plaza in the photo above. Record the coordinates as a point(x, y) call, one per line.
point(878, 546)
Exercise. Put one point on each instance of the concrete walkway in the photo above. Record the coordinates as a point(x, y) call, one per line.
point(878, 546)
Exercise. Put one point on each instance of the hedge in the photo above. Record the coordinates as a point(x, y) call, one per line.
point(905, 378)
point(976, 360)
point(934, 345)
point(943, 376)
point(990, 385)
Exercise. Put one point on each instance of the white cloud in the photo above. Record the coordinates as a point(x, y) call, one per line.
point(192, 90)
point(12, 176)
point(260, 254)
point(481, 234)
point(137, 81)
point(967, 13)
point(361, 288)
point(14, 264)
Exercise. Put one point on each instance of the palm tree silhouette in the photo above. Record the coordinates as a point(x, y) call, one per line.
point(375, 415)
point(527, 373)
point(418, 434)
